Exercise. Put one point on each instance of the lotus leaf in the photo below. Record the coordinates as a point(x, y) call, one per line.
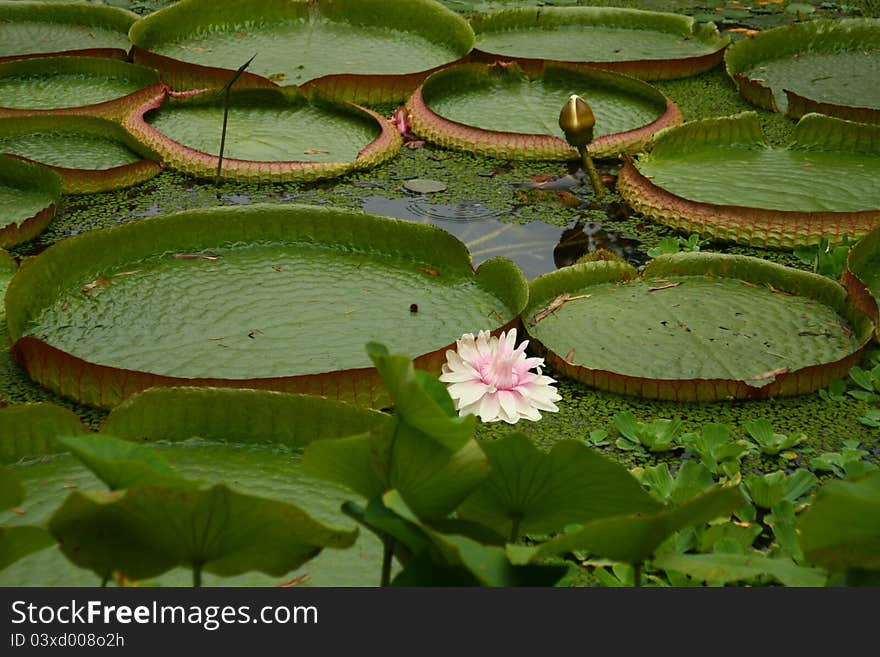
point(359, 50)
point(498, 111)
point(214, 289)
point(825, 66)
point(695, 326)
point(862, 275)
point(645, 44)
point(718, 178)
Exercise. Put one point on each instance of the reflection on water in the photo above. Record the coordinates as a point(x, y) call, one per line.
point(536, 247)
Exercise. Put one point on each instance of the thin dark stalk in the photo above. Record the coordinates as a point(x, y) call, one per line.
point(104, 581)
point(593, 173)
point(637, 575)
point(387, 556)
point(514, 529)
point(226, 89)
point(197, 575)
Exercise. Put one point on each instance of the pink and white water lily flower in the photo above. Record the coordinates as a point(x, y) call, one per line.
point(490, 377)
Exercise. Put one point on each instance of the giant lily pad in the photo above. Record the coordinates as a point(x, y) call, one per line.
point(91, 154)
point(30, 29)
point(717, 177)
point(271, 135)
point(862, 275)
point(257, 454)
point(30, 194)
point(498, 111)
point(696, 327)
point(93, 85)
point(277, 297)
point(359, 50)
point(821, 66)
point(649, 45)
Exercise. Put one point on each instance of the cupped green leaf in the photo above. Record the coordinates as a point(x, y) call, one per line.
point(727, 568)
point(352, 278)
point(30, 194)
point(717, 177)
point(487, 565)
point(259, 469)
point(30, 430)
point(694, 327)
point(34, 28)
point(121, 463)
point(530, 492)
point(499, 111)
point(649, 45)
point(826, 66)
point(11, 490)
point(90, 153)
point(237, 416)
point(841, 528)
point(350, 462)
point(18, 542)
point(148, 530)
point(357, 49)
point(56, 83)
point(633, 538)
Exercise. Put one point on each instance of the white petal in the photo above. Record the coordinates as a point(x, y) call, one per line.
point(467, 392)
point(489, 408)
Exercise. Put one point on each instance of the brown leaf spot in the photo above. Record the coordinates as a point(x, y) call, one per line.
point(771, 374)
point(569, 357)
point(315, 151)
point(555, 305)
point(663, 287)
point(293, 582)
point(429, 272)
point(88, 287)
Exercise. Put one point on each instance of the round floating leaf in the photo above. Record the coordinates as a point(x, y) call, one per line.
point(717, 177)
point(695, 327)
point(498, 111)
point(862, 276)
point(205, 297)
point(251, 461)
point(94, 85)
point(530, 492)
point(271, 135)
point(359, 50)
point(825, 66)
point(91, 154)
point(645, 44)
point(29, 193)
point(29, 29)
point(237, 416)
point(841, 528)
point(29, 430)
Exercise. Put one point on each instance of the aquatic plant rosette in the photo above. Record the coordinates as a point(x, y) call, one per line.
point(823, 66)
point(717, 177)
point(253, 438)
point(29, 194)
point(97, 86)
point(645, 44)
point(264, 296)
point(41, 29)
point(91, 154)
point(272, 135)
point(364, 51)
point(497, 111)
point(862, 276)
point(696, 327)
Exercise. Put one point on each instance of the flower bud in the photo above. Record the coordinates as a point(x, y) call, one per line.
point(576, 120)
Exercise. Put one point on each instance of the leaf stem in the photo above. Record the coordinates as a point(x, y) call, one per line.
point(226, 89)
point(514, 529)
point(387, 556)
point(637, 575)
point(197, 575)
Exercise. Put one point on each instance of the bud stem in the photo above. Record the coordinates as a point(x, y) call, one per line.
point(590, 168)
